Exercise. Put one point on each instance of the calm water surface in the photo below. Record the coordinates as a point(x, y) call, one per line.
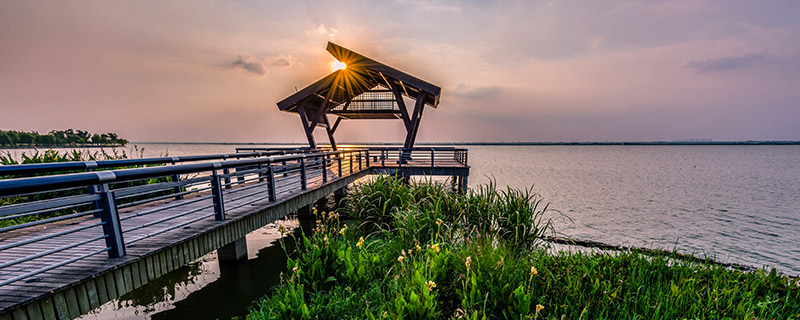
point(736, 203)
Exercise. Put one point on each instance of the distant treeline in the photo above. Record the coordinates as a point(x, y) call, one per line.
point(57, 138)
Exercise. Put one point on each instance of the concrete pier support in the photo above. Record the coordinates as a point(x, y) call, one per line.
point(306, 211)
point(234, 251)
point(340, 193)
point(463, 184)
point(459, 183)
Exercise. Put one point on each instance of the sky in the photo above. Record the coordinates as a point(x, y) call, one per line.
point(213, 71)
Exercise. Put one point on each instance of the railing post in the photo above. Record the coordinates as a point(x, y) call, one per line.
point(178, 189)
point(177, 178)
point(271, 182)
point(216, 196)
point(339, 159)
point(260, 172)
point(93, 188)
point(239, 178)
point(359, 160)
point(324, 168)
point(400, 157)
point(227, 173)
point(303, 181)
point(284, 164)
point(367, 158)
point(432, 163)
point(465, 157)
point(351, 162)
point(112, 227)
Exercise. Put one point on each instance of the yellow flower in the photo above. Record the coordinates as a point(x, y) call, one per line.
point(282, 229)
point(439, 222)
point(343, 230)
point(360, 242)
point(418, 248)
point(539, 307)
point(315, 211)
point(295, 269)
point(534, 271)
point(400, 259)
point(431, 285)
point(435, 248)
point(468, 262)
point(403, 252)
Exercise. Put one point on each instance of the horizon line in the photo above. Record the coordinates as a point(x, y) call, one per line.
point(531, 143)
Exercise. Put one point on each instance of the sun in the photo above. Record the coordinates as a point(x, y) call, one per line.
point(336, 65)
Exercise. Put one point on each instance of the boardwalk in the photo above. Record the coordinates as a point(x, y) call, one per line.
point(65, 268)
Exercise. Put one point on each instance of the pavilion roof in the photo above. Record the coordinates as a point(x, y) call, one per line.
point(360, 75)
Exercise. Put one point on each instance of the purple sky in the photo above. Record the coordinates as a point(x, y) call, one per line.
point(509, 71)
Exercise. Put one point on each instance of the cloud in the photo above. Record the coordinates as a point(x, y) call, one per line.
point(433, 5)
point(281, 62)
point(475, 92)
point(328, 31)
point(250, 65)
point(725, 63)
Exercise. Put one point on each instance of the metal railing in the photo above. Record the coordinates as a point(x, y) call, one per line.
point(77, 166)
point(75, 216)
point(418, 157)
point(83, 224)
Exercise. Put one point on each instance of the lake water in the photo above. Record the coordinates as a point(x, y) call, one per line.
point(735, 203)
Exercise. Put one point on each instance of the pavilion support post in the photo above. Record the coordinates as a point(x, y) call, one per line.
point(330, 131)
point(309, 130)
point(401, 104)
point(411, 132)
point(416, 117)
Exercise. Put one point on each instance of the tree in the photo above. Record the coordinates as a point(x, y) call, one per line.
point(45, 140)
point(5, 139)
point(84, 135)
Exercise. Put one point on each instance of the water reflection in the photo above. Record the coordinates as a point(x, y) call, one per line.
point(207, 288)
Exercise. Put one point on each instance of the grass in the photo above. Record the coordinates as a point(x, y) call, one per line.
point(423, 252)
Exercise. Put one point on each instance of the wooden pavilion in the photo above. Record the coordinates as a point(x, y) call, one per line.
point(364, 89)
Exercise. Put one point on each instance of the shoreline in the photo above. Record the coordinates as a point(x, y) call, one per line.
point(618, 143)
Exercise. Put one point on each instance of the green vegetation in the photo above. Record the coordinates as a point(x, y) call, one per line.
point(55, 138)
point(51, 155)
point(422, 252)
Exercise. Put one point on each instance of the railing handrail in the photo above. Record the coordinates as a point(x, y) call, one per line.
point(9, 187)
point(416, 149)
point(17, 186)
point(88, 165)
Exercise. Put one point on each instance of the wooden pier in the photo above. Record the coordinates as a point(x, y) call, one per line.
point(122, 228)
